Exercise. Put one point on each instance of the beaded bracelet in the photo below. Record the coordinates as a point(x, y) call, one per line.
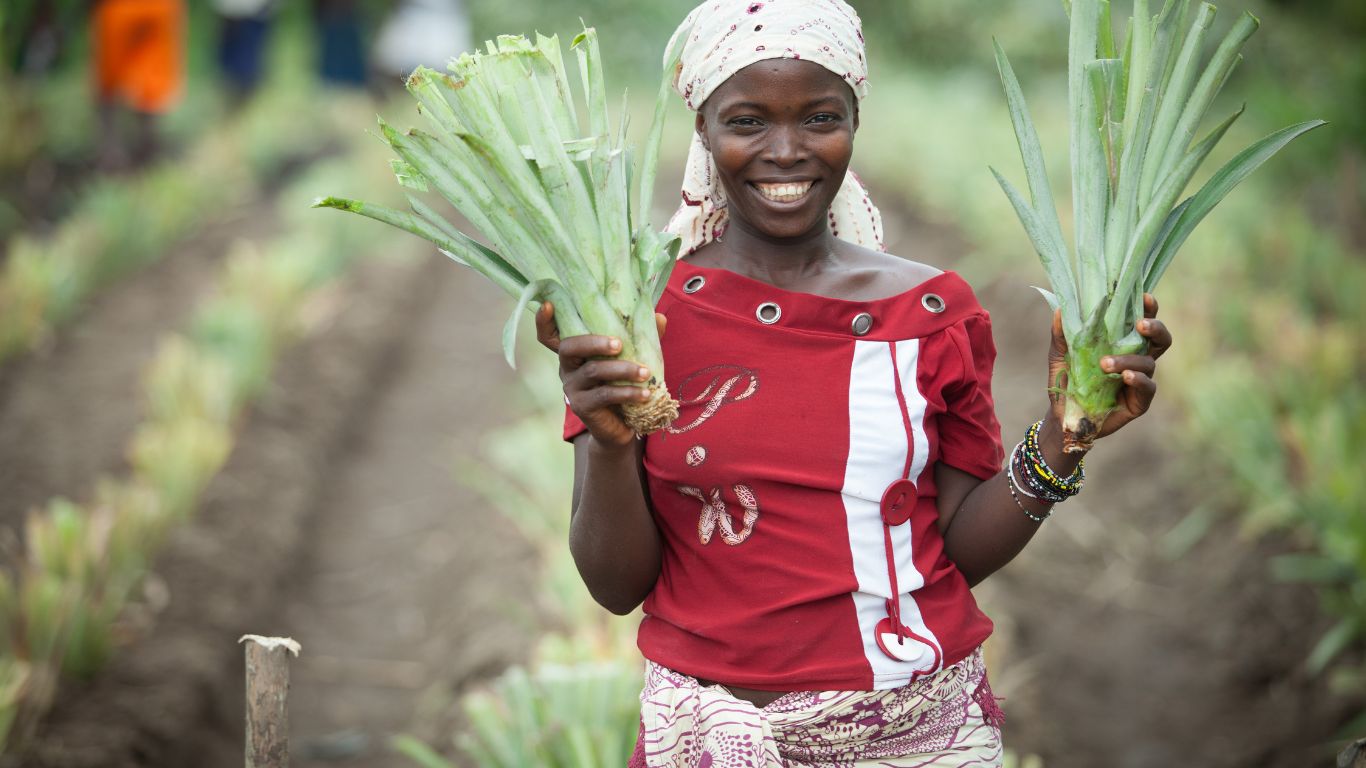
point(1040, 465)
point(1010, 483)
point(1029, 484)
point(1046, 476)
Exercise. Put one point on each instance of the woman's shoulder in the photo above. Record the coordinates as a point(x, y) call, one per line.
point(870, 274)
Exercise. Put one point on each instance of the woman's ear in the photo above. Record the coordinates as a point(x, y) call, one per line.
point(855, 117)
point(700, 125)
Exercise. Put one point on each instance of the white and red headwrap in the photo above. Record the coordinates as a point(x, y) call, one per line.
point(726, 36)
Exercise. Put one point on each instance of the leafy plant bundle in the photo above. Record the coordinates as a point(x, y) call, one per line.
point(1133, 116)
point(509, 154)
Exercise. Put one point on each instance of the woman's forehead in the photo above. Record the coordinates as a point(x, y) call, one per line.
point(780, 82)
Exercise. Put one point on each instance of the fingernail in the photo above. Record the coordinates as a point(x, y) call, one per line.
point(1107, 363)
point(1145, 326)
point(614, 345)
point(643, 374)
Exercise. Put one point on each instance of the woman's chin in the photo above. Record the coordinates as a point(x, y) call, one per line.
point(790, 229)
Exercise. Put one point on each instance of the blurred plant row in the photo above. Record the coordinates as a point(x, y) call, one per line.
point(1269, 369)
point(1274, 385)
point(50, 131)
point(576, 705)
point(68, 599)
point(121, 225)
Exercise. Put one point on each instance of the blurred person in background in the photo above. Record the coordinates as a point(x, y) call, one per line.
point(139, 57)
point(243, 31)
point(421, 33)
point(341, 51)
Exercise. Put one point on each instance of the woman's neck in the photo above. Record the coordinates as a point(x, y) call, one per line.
point(781, 262)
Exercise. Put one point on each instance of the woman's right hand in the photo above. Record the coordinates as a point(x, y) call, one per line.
point(590, 373)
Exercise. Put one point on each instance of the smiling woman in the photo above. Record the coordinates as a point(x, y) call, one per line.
point(780, 170)
point(805, 536)
point(780, 160)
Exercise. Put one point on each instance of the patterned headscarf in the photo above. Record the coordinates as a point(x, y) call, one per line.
point(729, 35)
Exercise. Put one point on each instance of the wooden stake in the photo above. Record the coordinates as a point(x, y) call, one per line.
point(267, 694)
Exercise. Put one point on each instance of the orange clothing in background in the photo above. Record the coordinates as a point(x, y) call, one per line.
point(140, 52)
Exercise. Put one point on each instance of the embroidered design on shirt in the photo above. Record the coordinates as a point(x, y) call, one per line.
point(696, 455)
point(715, 514)
point(711, 388)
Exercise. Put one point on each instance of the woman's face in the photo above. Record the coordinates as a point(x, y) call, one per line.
point(781, 132)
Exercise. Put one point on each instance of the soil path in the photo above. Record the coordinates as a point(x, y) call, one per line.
point(337, 520)
point(413, 585)
point(175, 690)
point(68, 410)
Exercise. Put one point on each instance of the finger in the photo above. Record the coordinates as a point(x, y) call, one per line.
point(1149, 305)
point(1059, 347)
point(581, 348)
point(660, 322)
point(1144, 364)
point(594, 372)
point(1159, 338)
point(547, 331)
point(1141, 390)
point(598, 398)
point(1134, 400)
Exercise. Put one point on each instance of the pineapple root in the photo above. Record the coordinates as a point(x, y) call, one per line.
point(652, 415)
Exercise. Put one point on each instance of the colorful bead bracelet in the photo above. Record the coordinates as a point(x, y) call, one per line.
point(1028, 473)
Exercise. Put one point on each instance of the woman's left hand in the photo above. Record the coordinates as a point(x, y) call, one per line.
point(1138, 390)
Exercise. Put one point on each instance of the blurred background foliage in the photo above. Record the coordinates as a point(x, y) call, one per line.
point(1268, 295)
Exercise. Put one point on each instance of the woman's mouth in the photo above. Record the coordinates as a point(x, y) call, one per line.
point(786, 192)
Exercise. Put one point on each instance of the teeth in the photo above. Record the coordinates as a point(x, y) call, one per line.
point(784, 193)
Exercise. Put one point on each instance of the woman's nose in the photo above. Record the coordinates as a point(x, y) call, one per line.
point(785, 147)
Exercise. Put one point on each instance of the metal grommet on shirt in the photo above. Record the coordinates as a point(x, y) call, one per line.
point(768, 313)
point(694, 284)
point(863, 323)
point(933, 303)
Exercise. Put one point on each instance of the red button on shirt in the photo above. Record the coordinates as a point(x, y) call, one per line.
point(897, 502)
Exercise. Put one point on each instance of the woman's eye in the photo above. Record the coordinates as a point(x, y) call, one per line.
point(824, 117)
point(744, 122)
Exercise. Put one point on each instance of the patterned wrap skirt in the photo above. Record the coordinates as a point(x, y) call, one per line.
point(946, 720)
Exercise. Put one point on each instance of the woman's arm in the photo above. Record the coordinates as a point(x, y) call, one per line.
point(983, 527)
point(982, 522)
point(612, 536)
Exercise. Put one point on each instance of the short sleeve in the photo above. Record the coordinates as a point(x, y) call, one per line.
point(969, 433)
point(573, 427)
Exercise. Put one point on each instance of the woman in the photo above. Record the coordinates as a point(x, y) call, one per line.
point(805, 535)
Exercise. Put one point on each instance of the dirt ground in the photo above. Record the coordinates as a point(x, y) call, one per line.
point(1113, 650)
point(66, 411)
point(412, 586)
point(337, 521)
